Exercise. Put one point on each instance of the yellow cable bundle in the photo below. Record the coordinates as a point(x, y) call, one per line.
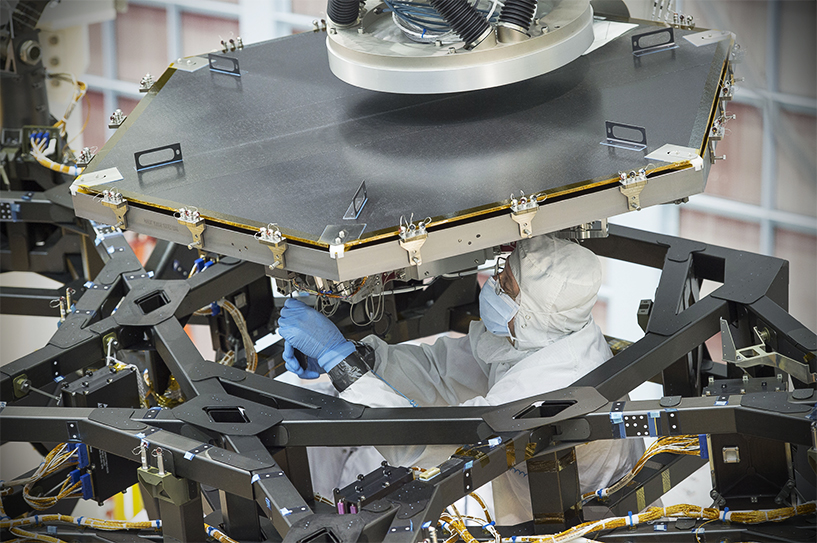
point(688, 445)
point(38, 152)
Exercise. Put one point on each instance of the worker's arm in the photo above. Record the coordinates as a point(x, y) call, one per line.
point(442, 374)
point(445, 373)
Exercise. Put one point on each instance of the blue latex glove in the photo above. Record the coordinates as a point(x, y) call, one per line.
point(313, 334)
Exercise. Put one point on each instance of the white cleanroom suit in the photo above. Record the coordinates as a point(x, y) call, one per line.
point(555, 343)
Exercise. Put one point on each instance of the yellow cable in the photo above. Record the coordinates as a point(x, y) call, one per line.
point(687, 445)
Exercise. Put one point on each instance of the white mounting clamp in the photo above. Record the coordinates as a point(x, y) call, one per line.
point(523, 210)
point(412, 238)
point(632, 183)
point(195, 223)
point(272, 237)
point(336, 250)
point(113, 199)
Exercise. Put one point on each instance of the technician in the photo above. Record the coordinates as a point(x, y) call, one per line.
point(536, 335)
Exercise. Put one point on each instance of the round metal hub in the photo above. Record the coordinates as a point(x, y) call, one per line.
point(376, 55)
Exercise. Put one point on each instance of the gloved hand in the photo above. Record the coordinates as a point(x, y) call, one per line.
point(314, 335)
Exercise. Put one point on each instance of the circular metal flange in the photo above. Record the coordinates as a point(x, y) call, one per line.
point(376, 55)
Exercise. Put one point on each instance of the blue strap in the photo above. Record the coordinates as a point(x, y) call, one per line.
point(653, 420)
point(630, 514)
point(723, 514)
point(703, 446)
point(79, 521)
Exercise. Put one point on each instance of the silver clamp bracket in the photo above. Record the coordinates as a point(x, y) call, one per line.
point(412, 238)
point(146, 83)
point(718, 130)
point(195, 223)
point(117, 118)
point(113, 199)
point(523, 210)
point(728, 89)
point(632, 183)
point(86, 155)
point(757, 355)
point(712, 156)
point(271, 236)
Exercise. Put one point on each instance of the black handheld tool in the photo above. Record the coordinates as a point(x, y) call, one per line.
point(301, 358)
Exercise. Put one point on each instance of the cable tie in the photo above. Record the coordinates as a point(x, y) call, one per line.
point(629, 518)
point(723, 515)
point(210, 531)
point(36, 520)
point(79, 521)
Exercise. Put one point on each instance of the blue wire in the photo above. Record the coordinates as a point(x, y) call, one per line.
point(412, 402)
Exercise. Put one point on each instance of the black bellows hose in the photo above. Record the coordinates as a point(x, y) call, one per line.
point(466, 21)
point(343, 12)
point(518, 12)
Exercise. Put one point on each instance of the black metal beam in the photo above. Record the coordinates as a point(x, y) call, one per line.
point(29, 301)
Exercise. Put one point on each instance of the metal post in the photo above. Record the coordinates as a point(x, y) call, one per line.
point(240, 517)
point(768, 180)
point(182, 523)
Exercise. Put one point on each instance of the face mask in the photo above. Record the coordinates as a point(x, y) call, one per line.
point(496, 310)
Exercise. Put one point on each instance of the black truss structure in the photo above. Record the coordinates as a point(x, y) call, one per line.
point(245, 434)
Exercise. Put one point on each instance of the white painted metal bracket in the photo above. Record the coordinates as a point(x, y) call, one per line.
point(757, 355)
point(86, 180)
point(676, 153)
